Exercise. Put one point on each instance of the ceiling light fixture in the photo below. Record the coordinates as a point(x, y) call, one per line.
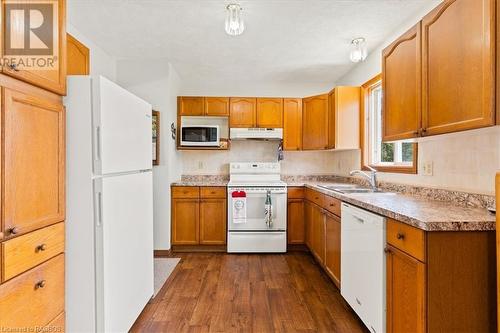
point(234, 21)
point(358, 50)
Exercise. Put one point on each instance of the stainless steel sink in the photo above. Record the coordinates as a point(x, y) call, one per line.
point(350, 188)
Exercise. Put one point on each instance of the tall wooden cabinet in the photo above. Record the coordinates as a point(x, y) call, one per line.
point(32, 232)
point(439, 77)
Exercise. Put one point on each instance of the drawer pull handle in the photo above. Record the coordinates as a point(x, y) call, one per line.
point(400, 236)
point(212, 192)
point(40, 284)
point(13, 230)
point(41, 247)
point(14, 67)
point(331, 205)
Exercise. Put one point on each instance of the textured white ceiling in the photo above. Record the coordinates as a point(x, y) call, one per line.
point(286, 42)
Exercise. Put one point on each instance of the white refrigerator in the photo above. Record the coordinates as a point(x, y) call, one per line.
point(109, 206)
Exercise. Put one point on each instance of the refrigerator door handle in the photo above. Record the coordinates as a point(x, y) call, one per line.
point(99, 209)
point(98, 142)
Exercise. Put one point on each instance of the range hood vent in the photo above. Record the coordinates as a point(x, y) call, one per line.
point(256, 133)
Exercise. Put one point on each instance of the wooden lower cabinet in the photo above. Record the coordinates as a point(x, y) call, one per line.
point(199, 216)
point(213, 221)
point(296, 224)
point(405, 292)
point(318, 233)
point(308, 213)
point(332, 247)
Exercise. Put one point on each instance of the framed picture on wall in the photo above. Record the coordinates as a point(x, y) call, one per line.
point(156, 137)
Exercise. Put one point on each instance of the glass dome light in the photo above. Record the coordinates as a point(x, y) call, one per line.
point(234, 20)
point(358, 50)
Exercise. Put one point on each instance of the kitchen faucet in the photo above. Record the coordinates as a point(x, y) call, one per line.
point(372, 176)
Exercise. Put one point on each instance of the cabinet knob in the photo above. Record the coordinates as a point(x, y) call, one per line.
point(14, 67)
point(400, 236)
point(41, 247)
point(13, 230)
point(40, 284)
point(387, 250)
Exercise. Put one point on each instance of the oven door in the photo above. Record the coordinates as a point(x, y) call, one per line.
point(200, 136)
point(255, 209)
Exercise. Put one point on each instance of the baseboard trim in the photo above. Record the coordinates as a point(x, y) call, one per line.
point(162, 253)
point(199, 248)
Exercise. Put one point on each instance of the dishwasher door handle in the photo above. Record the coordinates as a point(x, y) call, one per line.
point(359, 219)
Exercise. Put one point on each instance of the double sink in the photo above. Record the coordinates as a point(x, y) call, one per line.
point(350, 189)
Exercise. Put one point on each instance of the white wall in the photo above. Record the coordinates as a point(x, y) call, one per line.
point(101, 63)
point(157, 82)
point(465, 161)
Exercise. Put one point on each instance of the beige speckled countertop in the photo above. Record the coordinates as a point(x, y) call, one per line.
point(420, 212)
point(425, 214)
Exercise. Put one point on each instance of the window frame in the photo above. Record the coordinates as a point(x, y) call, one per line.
point(365, 102)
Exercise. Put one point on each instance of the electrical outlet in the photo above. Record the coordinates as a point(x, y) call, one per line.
point(428, 169)
point(200, 165)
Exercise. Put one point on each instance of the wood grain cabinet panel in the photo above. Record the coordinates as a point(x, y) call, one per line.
point(292, 124)
point(308, 220)
point(405, 293)
point(53, 79)
point(57, 325)
point(35, 298)
point(401, 84)
point(190, 106)
point(406, 238)
point(242, 112)
point(344, 110)
point(270, 112)
point(33, 162)
point(296, 223)
point(458, 66)
point(213, 221)
point(318, 233)
point(216, 106)
point(315, 130)
point(78, 56)
point(332, 247)
point(185, 221)
point(24, 252)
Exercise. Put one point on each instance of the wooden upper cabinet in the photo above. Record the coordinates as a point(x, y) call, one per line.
point(405, 293)
point(315, 116)
point(216, 106)
point(401, 84)
point(190, 106)
point(458, 66)
point(33, 161)
point(292, 123)
point(242, 112)
point(78, 57)
point(270, 112)
point(51, 75)
point(344, 106)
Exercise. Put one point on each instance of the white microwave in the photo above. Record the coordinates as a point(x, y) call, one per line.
point(200, 135)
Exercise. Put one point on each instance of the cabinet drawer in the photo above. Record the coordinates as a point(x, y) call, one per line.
point(295, 193)
point(27, 251)
point(332, 205)
point(185, 192)
point(406, 238)
point(213, 192)
point(314, 196)
point(35, 298)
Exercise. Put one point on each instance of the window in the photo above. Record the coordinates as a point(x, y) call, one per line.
point(389, 157)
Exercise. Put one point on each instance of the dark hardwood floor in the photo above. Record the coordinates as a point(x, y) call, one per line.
point(209, 292)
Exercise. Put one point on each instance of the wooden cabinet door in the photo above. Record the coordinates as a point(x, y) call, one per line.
point(296, 224)
point(308, 220)
point(458, 66)
point(190, 106)
point(315, 122)
point(213, 221)
point(78, 57)
point(401, 85)
point(242, 112)
point(53, 78)
point(332, 109)
point(318, 233)
point(292, 124)
point(332, 247)
point(34, 158)
point(270, 112)
point(344, 117)
point(185, 221)
point(405, 292)
point(217, 106)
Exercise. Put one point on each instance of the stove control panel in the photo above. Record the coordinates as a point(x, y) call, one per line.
point(255, 168)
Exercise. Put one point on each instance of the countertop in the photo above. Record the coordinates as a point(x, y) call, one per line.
point(422, 213)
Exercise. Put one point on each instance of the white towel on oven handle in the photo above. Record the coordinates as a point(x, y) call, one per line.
point(239, 208)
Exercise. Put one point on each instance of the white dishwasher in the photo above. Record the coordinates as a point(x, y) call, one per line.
point(363, 275)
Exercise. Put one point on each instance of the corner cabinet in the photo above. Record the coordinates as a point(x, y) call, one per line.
point(458, 81)
point(401, 77)
point(53, 79)
point(198, 217)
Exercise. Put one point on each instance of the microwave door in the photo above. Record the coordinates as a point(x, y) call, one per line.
point(199, 136)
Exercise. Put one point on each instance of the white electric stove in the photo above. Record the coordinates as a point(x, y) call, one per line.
point(253, 231)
